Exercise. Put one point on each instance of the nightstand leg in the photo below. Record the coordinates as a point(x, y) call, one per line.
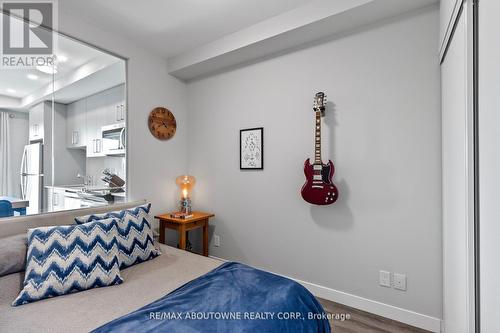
point(205, 239)
point(162, 232)
point(182, 238)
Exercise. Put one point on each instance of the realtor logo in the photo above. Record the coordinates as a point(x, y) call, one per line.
point(27, 28)
point(27, 33)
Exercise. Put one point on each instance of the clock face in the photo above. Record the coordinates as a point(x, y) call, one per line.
point(162, 123)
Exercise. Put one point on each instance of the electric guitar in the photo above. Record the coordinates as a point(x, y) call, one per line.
point(319, 188)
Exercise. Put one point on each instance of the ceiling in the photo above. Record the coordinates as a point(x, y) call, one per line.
point(17, 79)
point(171, 27)
point(76, 76)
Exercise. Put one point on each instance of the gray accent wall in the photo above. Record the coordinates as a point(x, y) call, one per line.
point(382, 130)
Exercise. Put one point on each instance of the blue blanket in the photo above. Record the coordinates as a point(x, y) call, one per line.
point(232, 298)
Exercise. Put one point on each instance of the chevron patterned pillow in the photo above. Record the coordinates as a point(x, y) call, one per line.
point(135, 235)
point(68, 259)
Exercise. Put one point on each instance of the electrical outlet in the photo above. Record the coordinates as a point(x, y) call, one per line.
point(400, 281)
point(385, 279)
point(216, 240)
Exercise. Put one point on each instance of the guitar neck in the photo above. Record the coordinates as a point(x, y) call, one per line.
point(317, 140)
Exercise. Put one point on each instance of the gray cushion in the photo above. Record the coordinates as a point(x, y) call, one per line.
point(13, 254)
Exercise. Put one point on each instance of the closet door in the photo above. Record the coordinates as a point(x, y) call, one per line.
point(489, 164)
point(458, 180)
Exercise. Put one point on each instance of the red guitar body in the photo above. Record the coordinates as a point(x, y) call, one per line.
point(319, 188)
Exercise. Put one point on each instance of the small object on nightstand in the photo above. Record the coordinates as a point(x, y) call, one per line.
point(181, 215)
point(186, 184)
point(199, 220)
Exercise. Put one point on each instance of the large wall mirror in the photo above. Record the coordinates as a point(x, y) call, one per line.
point(63, 132)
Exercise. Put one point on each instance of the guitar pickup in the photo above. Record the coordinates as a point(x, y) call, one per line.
point(317, 167)
point(317, 177)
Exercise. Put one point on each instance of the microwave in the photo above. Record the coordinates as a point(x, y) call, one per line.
point(114, 139)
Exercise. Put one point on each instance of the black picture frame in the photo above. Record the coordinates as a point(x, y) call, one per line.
point(260, 148)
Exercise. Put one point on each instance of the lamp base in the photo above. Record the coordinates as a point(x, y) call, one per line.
point(185, 206)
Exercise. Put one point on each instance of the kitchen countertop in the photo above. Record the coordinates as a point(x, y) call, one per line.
point(79, 188)
point(67, 187)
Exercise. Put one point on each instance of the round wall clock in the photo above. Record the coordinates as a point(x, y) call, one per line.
point(162, 123)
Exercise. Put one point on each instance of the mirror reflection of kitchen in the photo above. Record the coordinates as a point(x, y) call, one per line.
point(63, 133)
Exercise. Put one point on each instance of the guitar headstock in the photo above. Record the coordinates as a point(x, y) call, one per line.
point(319, 102)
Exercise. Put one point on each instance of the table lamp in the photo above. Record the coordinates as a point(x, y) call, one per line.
point(186, 184)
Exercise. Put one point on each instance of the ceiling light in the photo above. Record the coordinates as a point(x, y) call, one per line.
point(47, 69)
point(32, 77)
point(11, 91)
point(62, 58)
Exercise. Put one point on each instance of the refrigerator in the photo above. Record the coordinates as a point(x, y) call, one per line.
point(32, 177)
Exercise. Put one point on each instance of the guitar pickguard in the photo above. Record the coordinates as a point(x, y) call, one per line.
point(325, 174)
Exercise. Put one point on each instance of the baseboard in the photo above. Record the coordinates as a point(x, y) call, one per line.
point(381, 309)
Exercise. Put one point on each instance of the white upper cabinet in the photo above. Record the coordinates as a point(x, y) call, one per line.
point(86, 117)
point(116, 105)
point(96, 118)
point(76, 125)
point(448, 13)
point(36, 130)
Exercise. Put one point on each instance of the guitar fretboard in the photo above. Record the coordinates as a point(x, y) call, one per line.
point(317, 140)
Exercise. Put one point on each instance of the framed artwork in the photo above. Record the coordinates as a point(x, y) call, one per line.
point(252, 149)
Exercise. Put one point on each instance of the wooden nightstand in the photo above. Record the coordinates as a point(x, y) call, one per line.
point(199, 220)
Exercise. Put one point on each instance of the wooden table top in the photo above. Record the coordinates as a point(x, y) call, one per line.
point(17, 202)
point(197, 216)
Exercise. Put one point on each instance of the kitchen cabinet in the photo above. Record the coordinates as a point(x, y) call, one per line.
point(76, 125)
point(36, 122)
point(72, 201)
point(86, 117)
point(115, 111)
point(56, 199)
point(96, 118)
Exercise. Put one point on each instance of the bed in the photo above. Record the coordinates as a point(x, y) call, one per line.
point(146, 285)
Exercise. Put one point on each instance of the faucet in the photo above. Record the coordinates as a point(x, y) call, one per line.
point(88, 180)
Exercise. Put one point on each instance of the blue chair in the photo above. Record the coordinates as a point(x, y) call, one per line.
point(6, 208)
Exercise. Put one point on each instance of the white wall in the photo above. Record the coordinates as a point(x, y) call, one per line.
point(458, 185)
point(383, 132)
point(95, 166)
point(18, 139)
point(153, 165)
point(489, 164)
